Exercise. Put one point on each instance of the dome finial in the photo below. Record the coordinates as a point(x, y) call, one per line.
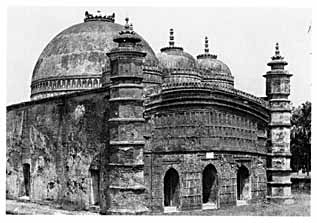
point(127, 23)
point(277, 51)
point(207, 54)
point(171, 42)
point(206, 45)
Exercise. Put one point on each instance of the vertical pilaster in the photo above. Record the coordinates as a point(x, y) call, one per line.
point(279, 155)
point(126, 190)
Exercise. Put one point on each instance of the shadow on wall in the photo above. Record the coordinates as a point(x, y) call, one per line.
point(171, 189)
point(243, 184)
point(301, 183)
point(210, 185)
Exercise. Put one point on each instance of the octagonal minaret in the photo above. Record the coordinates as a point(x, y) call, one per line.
point(279, 155)
point(126, 193)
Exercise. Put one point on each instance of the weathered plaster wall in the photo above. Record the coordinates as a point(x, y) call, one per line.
point(61, 139)
point(64, 138)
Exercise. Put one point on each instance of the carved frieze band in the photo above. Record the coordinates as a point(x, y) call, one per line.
point(196, 125)
point(65, 84)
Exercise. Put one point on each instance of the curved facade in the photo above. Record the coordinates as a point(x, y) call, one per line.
point(193, 126)
point(154, 134)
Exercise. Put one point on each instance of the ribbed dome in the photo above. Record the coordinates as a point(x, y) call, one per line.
point(79, 52)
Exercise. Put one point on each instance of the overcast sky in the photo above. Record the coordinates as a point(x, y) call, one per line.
point(243, 38)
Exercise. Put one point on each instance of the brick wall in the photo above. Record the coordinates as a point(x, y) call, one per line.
point(190, 167)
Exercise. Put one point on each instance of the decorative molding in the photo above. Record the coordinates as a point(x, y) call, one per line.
point(90, 17)
point(57, 86)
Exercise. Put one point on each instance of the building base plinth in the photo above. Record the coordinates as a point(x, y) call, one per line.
point(281, 199)
point(171, 209)
point(123, 211)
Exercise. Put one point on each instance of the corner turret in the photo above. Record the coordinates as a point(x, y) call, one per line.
point(126, 193)
point(279, 156)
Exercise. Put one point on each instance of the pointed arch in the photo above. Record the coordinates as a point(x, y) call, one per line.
point(171, 188)
point(210, 185)
point(27, 178)
point(243, 183)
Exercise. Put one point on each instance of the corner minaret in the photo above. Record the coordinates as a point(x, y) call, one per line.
point(126, 190)
point(279, 156)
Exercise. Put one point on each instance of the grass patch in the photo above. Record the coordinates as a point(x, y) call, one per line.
point(301, 207)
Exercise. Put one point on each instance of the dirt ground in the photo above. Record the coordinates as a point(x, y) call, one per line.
point(301, 207)
point(14, 207)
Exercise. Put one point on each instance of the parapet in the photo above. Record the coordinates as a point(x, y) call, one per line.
point(90, 17)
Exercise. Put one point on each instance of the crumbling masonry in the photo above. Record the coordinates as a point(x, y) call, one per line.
point(114, 127)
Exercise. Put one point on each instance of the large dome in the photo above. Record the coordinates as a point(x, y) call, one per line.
point(75, 58)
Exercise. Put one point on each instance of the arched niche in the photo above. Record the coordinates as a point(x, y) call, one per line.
point(94, 173)
point(209, 187)
point(243, 184)
point(27, 179)
point(171, 188)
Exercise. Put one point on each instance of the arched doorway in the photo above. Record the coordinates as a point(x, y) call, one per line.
point(243, 184)
point(210, 185)
point(171, 188)
point(26, 176)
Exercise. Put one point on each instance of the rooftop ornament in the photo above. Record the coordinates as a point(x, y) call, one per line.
point(128, 28)
point(206, 45)
point(90, 17)
point(277, 61)
point(206, 54)
point(277, 55)
point(171, 43)
point(127, 35)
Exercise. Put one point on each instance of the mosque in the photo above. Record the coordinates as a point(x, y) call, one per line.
point(114, 127)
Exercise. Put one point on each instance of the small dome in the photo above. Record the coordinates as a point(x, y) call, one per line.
point(176, 58)
point(173, 57)
point(215, 66)
point(210, 62)
point(213, 70)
